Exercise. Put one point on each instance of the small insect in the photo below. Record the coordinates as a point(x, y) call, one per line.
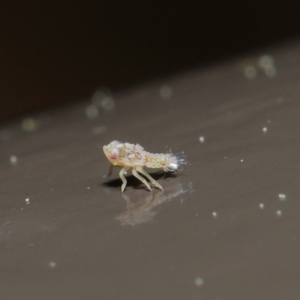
point(130, 156)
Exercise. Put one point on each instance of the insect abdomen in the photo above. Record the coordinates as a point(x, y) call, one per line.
point(157, 160)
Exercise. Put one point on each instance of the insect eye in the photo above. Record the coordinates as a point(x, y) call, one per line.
point(114, 155)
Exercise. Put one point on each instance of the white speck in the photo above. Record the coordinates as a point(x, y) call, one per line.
point(13, 160)
point(282, 197)
point(166, 92)
point(214, 214)
point(30, 124)
point(27, 200)
point(279, 213)
point(225, 157)
point(88, 187)
point(250, 72)
point(108, 103)
point(196, 215)
point(265, 129)
point(199, 281)
point(102, 98)
point(266, 63)
point(242, 160)
point(52, 264)
point(92, 111)
point(201, 139)
point(261, 206)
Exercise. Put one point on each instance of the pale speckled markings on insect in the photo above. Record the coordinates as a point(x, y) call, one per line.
point(130, 156)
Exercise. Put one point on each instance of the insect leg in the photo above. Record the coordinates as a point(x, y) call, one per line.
point(154, 182)
point(110, 171)
point(143, 180)
point(122, 173)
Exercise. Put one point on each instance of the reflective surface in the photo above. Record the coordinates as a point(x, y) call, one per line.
point(226, 227)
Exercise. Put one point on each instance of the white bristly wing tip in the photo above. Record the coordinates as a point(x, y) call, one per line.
point(176, 163)
point(172, 167)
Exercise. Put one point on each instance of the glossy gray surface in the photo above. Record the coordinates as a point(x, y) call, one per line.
point(227, 227)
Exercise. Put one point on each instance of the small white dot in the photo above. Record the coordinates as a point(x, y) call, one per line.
point(30, 124)
point(108, 104)
point(282, 197)
point(13, 160)
point(266, 61)
point(52, 264)
point(103, 99)
point(265, 129)
point(201, 139)
point(279, 213)
point(242, 160)
point(261, 206)
point(27, 200)
point(214, 214)
point(88, 187)
point(199, 281)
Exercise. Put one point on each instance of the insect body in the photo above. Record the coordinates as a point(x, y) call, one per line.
point(130, 156)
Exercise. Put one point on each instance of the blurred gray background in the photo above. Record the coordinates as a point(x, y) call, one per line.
point(53, 52)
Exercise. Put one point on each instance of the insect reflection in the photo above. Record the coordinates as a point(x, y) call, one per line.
point(141, 211)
